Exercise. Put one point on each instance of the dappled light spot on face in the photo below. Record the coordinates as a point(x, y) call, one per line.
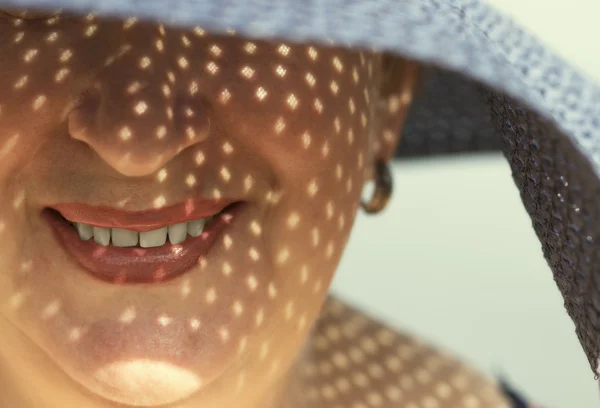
point(171, 115)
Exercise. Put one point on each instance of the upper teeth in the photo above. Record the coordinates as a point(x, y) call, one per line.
point(119, 237)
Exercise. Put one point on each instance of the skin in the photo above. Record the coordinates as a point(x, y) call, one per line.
point(136, 115)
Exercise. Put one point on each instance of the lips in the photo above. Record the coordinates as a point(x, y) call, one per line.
point(135, 264)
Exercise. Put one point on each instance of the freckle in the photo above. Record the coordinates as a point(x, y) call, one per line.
point(199, 32)
point(306, 139)
point(283, 256)
point(211, 295)
point(302, 322)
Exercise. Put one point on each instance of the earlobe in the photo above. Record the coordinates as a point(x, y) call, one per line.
point(400, 79)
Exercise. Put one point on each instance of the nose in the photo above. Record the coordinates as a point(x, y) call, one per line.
point(135, 117)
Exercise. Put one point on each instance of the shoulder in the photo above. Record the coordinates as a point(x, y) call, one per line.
point(356, 361)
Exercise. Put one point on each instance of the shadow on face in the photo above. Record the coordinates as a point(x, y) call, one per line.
point(127, 146)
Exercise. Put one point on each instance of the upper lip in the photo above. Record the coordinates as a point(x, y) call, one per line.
point(140, 221)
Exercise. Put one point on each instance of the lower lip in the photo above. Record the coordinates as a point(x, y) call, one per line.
point(135, 264)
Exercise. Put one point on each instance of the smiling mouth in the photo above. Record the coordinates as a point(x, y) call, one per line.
point(150, 246)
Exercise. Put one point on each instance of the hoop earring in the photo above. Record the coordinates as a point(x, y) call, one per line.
point(383, 189)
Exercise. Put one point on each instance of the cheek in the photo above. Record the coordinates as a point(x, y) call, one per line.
point(319, 159)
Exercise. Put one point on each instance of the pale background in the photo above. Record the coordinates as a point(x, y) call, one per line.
point(455, 259)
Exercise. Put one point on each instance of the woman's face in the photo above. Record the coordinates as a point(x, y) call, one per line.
point(137, 126)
